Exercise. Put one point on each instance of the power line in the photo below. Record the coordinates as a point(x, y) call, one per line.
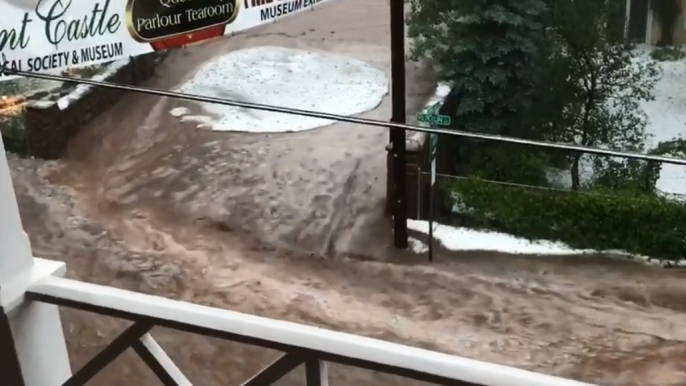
point(539, 187)
point(342, 118)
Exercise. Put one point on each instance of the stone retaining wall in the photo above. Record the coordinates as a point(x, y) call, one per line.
point(49, 125)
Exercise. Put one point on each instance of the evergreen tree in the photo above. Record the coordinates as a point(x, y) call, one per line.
point(490, 50)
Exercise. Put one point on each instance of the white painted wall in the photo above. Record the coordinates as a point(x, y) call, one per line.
point(35, 327)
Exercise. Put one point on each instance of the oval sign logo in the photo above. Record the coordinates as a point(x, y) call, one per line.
point(152, 20)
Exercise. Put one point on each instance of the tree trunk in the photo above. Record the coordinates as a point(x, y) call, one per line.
point(652, 169)
point(576, 183)
point(575, 172)
point(667, 38)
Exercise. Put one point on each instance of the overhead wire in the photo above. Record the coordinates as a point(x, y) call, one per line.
point(348, 119)
point(547, 188)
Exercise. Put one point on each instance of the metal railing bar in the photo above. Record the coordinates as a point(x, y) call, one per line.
point(503, 183)
point(108, 354)
point(308, 341)
point(316, 373)
point(161, 322)
point(342, 118)
point(159, 362)
point(543, 188)
point(275, 371)
point(270, 344)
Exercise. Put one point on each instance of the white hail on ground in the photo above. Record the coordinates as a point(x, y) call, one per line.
point(283, 77)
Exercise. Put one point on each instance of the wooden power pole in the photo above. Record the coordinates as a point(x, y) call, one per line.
point(398, 136)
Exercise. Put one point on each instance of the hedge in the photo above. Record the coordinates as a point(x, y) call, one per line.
point(645, 225)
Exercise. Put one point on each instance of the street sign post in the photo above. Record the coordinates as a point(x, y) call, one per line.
point(433, 150)
point(434, 119)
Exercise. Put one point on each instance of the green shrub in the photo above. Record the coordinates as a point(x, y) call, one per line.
point(14, 134)
point(667, 54)
point(646, 225)
point(509, 163)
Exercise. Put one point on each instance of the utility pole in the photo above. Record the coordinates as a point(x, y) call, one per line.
point(398, 136)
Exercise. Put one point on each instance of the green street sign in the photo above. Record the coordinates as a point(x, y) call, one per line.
point(432, 117)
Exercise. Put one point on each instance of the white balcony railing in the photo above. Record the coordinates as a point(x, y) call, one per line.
point(33, 350)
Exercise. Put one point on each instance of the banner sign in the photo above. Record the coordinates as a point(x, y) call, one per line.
point(46, 35)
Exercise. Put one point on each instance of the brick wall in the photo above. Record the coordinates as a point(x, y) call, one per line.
point(49, 128)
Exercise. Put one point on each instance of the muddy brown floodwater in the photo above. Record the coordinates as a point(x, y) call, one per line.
point(266, 224)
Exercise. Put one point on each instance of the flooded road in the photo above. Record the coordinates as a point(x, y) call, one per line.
point(266, 224)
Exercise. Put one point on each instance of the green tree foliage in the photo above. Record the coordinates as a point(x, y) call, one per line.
point(598, 84)
point(12, 125)
point(9, 87)
point(489, 49)
point(555, 70)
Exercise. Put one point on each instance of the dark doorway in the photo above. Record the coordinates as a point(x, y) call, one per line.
point(638, 21)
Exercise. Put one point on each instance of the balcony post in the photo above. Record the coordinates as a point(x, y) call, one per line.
point(33, 351)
